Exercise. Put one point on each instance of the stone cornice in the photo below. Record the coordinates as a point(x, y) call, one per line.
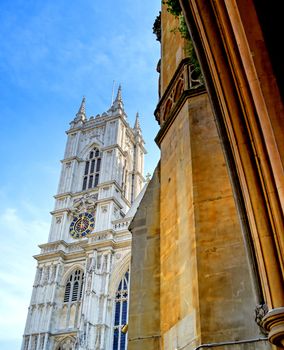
point(113, 147)
point(63, 195)
point(109, 244)
point(60, 211)
point(70, 159)
point(59, 254)
point(174, 112)
point(73, 331)
point(107, 239)
point(99, 122)
point(50, 244)
point(181, 82)
point(109, 199)
point(101, 185)
point(170, 87)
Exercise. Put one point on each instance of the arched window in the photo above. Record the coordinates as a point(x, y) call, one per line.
point(92, 169)
point(74, 287)
point(121, 313)
point(67, 344)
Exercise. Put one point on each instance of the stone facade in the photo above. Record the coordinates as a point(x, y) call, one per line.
point(203, 284)
point(88, 250)
point(239, 55)
point(144, 331)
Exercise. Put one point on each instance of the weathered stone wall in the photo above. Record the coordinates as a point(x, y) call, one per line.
point(206, 290)
point(144, 309)
point(172, 47)
point(235, 41)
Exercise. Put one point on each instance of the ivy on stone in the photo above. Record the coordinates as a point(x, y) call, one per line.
point(174, 8)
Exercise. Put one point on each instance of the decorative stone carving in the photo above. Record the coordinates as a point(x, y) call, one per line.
point(96, 134)
point(66, 343)
point(104, 209)
point(116, 213)
point(260, 311)
point(185, 80)
point(85, 203)
point(74, 247)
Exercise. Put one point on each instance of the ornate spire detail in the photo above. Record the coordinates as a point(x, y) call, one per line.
point(81, 115)
point(82, 109)
point(117, 106)
point(118, 96)
point(137, 124)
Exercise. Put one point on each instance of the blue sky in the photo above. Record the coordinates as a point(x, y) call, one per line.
point(51, 54)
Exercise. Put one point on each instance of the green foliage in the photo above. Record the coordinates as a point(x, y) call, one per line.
point(183, 28)
point(174, 8)
point(157, 27)
point(193, 58)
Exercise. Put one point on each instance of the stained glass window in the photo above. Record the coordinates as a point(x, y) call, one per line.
point(121, 314)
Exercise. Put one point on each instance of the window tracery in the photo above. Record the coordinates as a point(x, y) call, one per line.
point(121, 313)
point(92, 169)
point(74, 287)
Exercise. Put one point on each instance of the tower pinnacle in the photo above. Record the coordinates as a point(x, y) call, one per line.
point(118, 103)
point(81, 115)
point(137, 124)
point(82, 109)
point(118, 96)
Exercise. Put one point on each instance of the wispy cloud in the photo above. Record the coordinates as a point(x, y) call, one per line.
point(20, 236)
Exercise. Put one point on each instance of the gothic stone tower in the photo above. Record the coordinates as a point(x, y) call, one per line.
point(79, 298)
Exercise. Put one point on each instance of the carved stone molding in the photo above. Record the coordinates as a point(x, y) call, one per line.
point(260, 311)
point(184, 79)
point(85, 203)
point(273, 322)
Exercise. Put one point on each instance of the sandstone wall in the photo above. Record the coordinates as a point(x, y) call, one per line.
point(207, 293)
point(144, 311)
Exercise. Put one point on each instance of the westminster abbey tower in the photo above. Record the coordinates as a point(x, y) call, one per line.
point(80, 292)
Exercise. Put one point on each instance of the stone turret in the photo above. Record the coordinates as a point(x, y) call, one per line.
point(81, 115)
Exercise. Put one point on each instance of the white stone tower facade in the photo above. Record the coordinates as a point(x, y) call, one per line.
point(80, 293)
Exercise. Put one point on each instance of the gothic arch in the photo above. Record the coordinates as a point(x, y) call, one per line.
point(90, 166)
point(70, 271)
point(67, 343)
point(120, 306)
point(71, 295)
point(118, 272)
point(83, 154)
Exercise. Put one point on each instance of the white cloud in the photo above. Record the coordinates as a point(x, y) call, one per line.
point(20, 235)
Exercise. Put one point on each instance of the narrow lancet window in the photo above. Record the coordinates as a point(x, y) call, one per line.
point(73, 286)
point(121, 314)
point(92, 170)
